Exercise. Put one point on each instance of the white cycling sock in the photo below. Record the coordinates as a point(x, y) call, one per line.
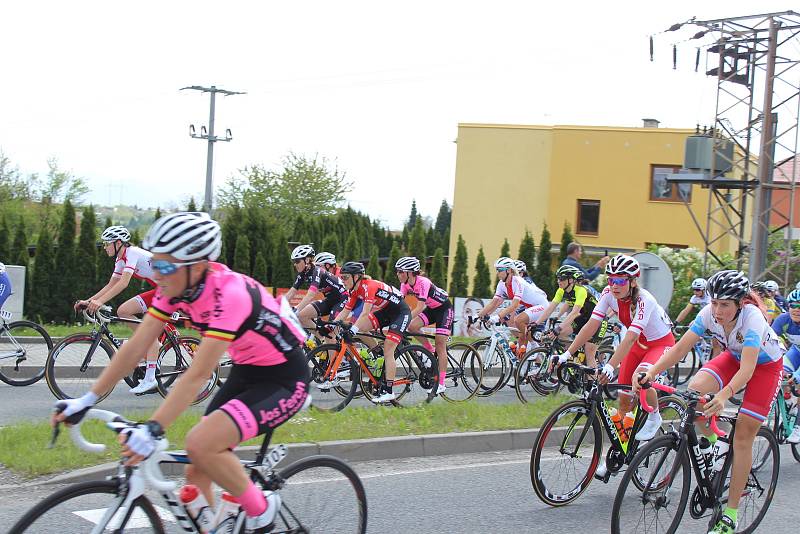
point(150, 373)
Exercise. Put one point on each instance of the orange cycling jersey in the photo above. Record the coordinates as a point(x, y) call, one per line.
point(379, 294)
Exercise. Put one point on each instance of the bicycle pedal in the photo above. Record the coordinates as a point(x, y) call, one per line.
point(605, 478)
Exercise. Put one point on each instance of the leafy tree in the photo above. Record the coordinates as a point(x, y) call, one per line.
point(61, 185)
point(241, 258)
point(260, 268)
point(352, 247)
point(86, 255)
point(308, 186)
point(192, 206)
point(412, 218)
point(42, 279)
point(482, 284)
point(394, 254)
point(281, 264)
point(63, 294)
point(458, 277)
point(527, 251)
point(374, 267)
point(5, 240)
point(566, 239)
point(544, 263)
point(438, 272)
point(505, 250)
point(416, 245)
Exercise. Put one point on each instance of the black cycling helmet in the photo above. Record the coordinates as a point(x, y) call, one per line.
point(568, 271)
point(352, 268)
point(728, 285)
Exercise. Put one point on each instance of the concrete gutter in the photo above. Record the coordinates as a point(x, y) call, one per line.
point(358, 450)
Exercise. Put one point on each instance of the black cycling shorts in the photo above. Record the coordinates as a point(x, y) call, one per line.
point(329, 306)
point(442, 316)
point(259, 398)
point(581, 321)
point(396, 317)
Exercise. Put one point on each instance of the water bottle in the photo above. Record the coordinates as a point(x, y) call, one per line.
point(721, 448)
point(198, 507)
point(378, 368)
point(616, 418)
point(707, 452)
point(627, 422)
point(225, 521)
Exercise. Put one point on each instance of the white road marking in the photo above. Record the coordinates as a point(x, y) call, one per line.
point(138, 518)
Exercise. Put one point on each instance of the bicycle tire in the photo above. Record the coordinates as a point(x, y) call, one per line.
point(692, 369)
point(335, 398)
point(629, 495)
point(319, 507)
point(49, 507)
point(62, 363)
point(422, 375)
point(173, 362)
point(34, 352)
point(495, 365)
point(541, 487)
point(459, 382)
point(525, 385)
point(754, 480)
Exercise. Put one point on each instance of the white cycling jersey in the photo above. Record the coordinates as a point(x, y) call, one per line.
point(528, 293)
point(649, 320)
point(751, 330)
point(137, 261)
point(700, 301)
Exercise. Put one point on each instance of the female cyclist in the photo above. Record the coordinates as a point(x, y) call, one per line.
point(129, 262)
point(787, 326)
point(383, 306)
point(530, 298)
point(649, 334)
point(751, 356)
point(770, 306)
point(433, 306)
point(319, 281)
point(269, 379)
point(699, 299)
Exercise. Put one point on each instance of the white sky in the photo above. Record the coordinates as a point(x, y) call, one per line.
point(378, 86)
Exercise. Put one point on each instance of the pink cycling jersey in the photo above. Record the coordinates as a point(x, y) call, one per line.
point(233, 307)
point(425, 291)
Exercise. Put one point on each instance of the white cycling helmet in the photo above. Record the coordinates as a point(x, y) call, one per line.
point(187, 236)
point(520, 266)
point(114, 233)
point(324, 258)
point(407, 264)
point(623, 264)
point(2, 268)
point(699, 284)
point(302, 251)
point(771, 285)
point(504, 263)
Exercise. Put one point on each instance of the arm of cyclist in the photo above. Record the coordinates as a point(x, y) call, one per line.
point(112, 290)
point(684, 313)
point(363, 323)
point(548, 311)
point(309, 297)
point(83, 303)
point(509, 310)
point(419, 308)
point(622, 350)
point(584, 335)
point(490, 307)
point(290, 294)
point(121, 365)
point(669, 358)
point(573, 314)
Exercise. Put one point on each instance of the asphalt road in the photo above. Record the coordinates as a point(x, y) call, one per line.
point(454, 494)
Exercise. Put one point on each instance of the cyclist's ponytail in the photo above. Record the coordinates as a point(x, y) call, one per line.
point(753, 298)
point(634, 298)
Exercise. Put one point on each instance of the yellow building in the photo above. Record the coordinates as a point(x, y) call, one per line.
point(608, 183)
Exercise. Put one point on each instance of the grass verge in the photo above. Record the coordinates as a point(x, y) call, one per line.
point(23, 446)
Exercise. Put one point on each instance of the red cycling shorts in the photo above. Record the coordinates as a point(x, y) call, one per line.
point(643, 354)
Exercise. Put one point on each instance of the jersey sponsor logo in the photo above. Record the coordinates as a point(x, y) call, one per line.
point(217, 303)
point(286, 407)
point(388, 295)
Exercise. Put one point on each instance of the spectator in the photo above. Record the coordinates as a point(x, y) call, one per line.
point(574, 252)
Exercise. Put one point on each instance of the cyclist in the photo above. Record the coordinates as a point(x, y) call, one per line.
point(383, 306)
point(649, 334)
point(433, 306)
point(769, 303)
point(522, 270)
point(269, 379)
point(775, 294)
point(319, 281)
point(129, 262)
point(327, 261)
point(5, 285)
point(699, 299)
point(751, 356)
point(511, 286)
point(581, 302)
point(787, 326)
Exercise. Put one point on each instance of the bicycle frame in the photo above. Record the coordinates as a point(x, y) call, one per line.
point(19, 353)
point(348, 349)
point(787, 419)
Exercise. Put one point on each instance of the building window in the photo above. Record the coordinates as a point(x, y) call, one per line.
point(664, 191)
point(588, 217)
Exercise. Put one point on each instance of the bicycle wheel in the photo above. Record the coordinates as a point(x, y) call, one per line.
point(525, 375)
point(463, 363)
point(82, 507)
point(417, 372)
point(564, 458)
point(174, 359)
point(24, 347)
point(75, 363)
point(496, 367)
point(321, 494)
point(760, 486)
point(660, 505)
point(332, 395)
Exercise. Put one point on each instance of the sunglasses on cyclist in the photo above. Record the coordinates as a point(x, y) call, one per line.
point(617, 281)
point(794, 305)
point(165, 267)
point(564, 278)
point(502, 269)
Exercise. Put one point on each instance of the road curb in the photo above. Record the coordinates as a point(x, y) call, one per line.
point(357, 450)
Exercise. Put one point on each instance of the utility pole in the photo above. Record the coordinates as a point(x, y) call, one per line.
point(210, 137)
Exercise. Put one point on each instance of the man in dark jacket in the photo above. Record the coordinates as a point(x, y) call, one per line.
point(574, 252)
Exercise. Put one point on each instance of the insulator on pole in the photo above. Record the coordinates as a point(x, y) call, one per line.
point(674, 57)
point(651, 48)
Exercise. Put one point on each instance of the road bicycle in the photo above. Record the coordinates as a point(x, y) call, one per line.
point(338, 368)
point(77, 360)
point(24, 346)
point(666, 465)
point(569, 444)
point(318, 494)
point(782, 420)
point(464, 371)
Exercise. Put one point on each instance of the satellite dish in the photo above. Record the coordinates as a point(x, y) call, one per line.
point(656, 277)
